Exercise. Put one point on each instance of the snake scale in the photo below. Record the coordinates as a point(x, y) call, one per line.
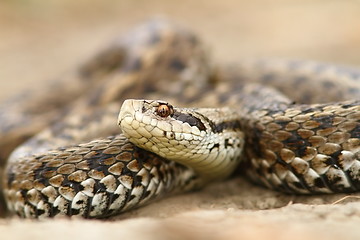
point(237, 116)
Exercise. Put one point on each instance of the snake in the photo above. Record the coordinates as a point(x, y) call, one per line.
point(185, 121)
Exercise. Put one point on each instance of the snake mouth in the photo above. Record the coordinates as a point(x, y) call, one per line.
point(127, 111)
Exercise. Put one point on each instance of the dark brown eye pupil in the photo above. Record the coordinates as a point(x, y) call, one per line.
point(164, 110)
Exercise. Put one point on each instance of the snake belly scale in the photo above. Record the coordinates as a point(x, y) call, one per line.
point(305, 145)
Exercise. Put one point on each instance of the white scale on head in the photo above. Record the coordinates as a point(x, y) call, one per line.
point(188, 136)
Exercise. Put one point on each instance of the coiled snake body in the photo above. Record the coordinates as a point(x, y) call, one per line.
point(296, 148)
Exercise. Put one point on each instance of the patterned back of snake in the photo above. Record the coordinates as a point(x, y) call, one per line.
point(59, 169)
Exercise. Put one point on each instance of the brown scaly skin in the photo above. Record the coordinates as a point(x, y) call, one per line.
point(294, 148)
point(306, 149)
point(157, 60)
point(97, 179)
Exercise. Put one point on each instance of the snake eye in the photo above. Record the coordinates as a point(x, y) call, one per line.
point(164, 110)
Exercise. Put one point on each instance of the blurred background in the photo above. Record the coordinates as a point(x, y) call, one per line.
point(40, 40)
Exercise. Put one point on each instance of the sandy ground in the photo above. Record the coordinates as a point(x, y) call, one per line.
point(43, 39)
